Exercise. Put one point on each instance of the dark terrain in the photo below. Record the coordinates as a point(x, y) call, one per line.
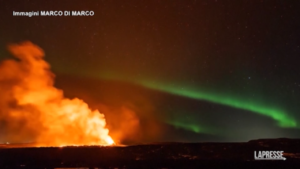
point(158, 155)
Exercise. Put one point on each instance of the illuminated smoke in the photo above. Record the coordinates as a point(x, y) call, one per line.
point(33, 110)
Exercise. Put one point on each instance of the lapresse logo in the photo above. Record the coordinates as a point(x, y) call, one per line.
point(269, 155)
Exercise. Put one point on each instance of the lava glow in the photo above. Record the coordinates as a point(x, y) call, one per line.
point(33, 110)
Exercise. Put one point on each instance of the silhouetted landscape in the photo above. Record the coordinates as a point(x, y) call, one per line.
point(156, 155)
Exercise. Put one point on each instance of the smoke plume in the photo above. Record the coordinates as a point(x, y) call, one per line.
point(32, 110)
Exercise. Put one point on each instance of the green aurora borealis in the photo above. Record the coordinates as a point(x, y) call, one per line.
point(283, 119)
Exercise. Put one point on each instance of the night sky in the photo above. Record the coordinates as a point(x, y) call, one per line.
point(201, 70)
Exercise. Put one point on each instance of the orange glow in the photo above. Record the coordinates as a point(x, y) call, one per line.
point(35, 111)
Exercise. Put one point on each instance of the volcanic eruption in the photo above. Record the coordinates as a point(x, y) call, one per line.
point(32, 110)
